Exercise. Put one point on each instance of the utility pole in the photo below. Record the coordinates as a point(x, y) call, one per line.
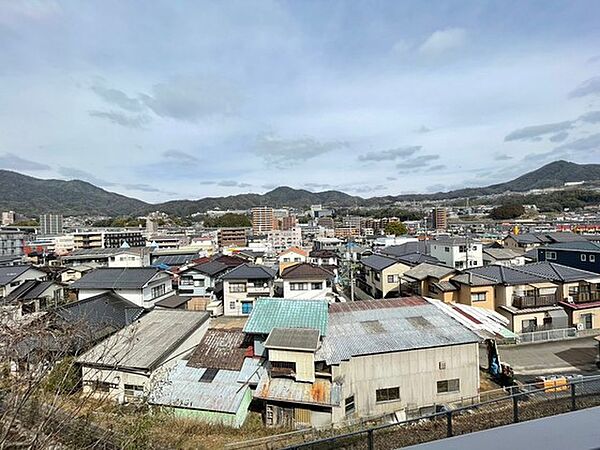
point(351, 280)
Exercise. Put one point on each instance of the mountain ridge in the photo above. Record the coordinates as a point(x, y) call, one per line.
point(31, 196)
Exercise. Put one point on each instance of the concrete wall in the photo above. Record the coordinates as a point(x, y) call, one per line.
point(309, 294)
point(415, 372)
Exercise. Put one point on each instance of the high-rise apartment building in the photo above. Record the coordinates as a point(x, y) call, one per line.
point(263, 220)
point(439, 218)
point(51, 224)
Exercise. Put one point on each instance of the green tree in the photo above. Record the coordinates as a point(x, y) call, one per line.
point(507, 211)
point(228, 220)
point(395, 228)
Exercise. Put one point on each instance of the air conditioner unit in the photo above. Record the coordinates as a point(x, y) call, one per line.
point(570, 299)
point(579, 327)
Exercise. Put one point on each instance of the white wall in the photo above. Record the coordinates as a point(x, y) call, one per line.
point(309, 294)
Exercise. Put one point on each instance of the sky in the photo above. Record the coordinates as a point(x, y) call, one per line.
point(171, 99)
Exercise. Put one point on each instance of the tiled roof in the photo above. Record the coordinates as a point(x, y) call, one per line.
point(173, 301)
point(210, 268)
point(116, 278)
point(249, 272)
point(406, 249)
point(501, 253)
point(557, 272)
point(269, 313)
point(378, 262)
point(297, 250)
point(583, 246)
point(530, 273)
point(229, 261)
point(293, 338)
point(9, 273)
point(425, 270)
point(29, 290)
point(305, 271)
point(381, 326)
point(220, 349)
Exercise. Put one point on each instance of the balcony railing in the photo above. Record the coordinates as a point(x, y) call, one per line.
point(533, 301)
point(583, 297)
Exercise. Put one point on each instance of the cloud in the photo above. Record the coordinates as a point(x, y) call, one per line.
point(417, 162)
point(141, 187)
point(537, 131)
point(437, 167)
point(590, 117)
point(192, 98)
point(436, 188)
point(391, 178)
point(284, 152)
point(129, 121)
point(390, 155)
point(502, 157)
point(589, 143)
point(318, 185)
point(269, 186)
point(559, 137)
point(588, 87)
point(118, 98)
point(180, 157)
point(442, 41)
point(400, 47)
point(423, 129)
point(77, 174)
point(14, 162)
point(226, 183)
point(368, 189)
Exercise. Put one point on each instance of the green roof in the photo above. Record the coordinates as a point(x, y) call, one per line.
point(269, 313)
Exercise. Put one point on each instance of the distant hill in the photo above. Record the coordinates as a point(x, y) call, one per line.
point(32, 196)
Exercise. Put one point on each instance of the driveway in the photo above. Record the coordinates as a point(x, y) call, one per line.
point(560, 357)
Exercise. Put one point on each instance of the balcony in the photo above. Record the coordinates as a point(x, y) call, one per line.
point(533, 301)
point(583, 297)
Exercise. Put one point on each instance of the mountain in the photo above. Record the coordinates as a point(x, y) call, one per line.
point(32, 196)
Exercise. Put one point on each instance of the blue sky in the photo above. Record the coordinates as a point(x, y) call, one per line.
point(173, 99)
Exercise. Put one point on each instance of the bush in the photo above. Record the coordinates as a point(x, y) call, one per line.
point(64, 378)
point(508, 211)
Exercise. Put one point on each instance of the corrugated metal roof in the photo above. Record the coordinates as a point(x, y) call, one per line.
point(404, 324)
point(321, 392)
point(252, 371)
point(173, 260)
point(220, 348)
point(147, 342)
point(116, 278)
point(269, 313)
point(293, 338)
point(425, 270)
point(183, 389)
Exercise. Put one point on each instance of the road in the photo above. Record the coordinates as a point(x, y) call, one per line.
point(561, 357)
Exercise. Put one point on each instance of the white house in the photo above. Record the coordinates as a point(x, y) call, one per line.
point(291, 256)
point(143, 286)
point(123, 366)
point(11, 277)
point(199, 280)
point(243, 285)
point(459, 253)
point(307, 282)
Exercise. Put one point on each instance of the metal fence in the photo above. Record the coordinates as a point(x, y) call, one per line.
point(524, 403)
point(547, 335)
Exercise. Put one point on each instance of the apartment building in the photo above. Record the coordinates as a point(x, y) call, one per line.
point(263, 220)
point(459, 253)
point(280, 240)
point(232, 237)
point(439, 218)
point(108, 239)
point(51, 224)
point(8, 218)
point(11, 243)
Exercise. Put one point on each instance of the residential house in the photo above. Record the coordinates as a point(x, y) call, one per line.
point(308, 282)
point(11, 277)
point(291, 256)
point(583, 255)
point(503, 257)
point(200, 280)
point(143, 286)
point(433, 281)
point(243, 285)
point(123, 366)
point(35, 296)
point(327, 258)
point(457, 252)
point(110, 257)
point(528, 241)
point(380, 276)
point(73, 273)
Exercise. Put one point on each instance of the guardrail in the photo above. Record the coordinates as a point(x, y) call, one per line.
point(521, 405)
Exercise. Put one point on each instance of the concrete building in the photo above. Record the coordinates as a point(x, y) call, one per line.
point(439, 218)
point(108, 239)
point(232, 237)
point(122, 367)
point(8, 218)
point(11, 243)
point(280, 240)
point(459, 253)
point(51, 224)
point(142, 286)
point(263, 220)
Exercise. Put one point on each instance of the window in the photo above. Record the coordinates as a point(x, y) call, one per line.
point(286, 259)
point(237, 287)
point(296, 259)
point(199, 283)
point(231, 305)
point(478, 296)
point(583, 257)
point(586, 320)
point(133, 390)
point(101, 386)
point(349, 406)
point(447, 249)
point(528, 325)
point(391, 278)
point(387, 394)
point(158, 291)
point(448, 386)
point(209, 375)
point(551, 256)
point(316, 286)
point(298, 286)
point(462, 248)
point(459, 264)
point(442, 365)
point(592, 258)
point(247, 307)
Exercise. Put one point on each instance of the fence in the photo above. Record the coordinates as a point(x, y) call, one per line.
point(547, 335)
point(523, 404)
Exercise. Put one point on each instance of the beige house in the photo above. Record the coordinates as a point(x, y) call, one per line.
point(381, 276)
point(290, 257)
point(433, 281)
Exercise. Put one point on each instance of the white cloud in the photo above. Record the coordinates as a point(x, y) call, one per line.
point(442, 41)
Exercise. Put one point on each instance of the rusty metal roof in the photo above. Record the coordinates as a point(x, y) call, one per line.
point(220, 349)
point(321, 392)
